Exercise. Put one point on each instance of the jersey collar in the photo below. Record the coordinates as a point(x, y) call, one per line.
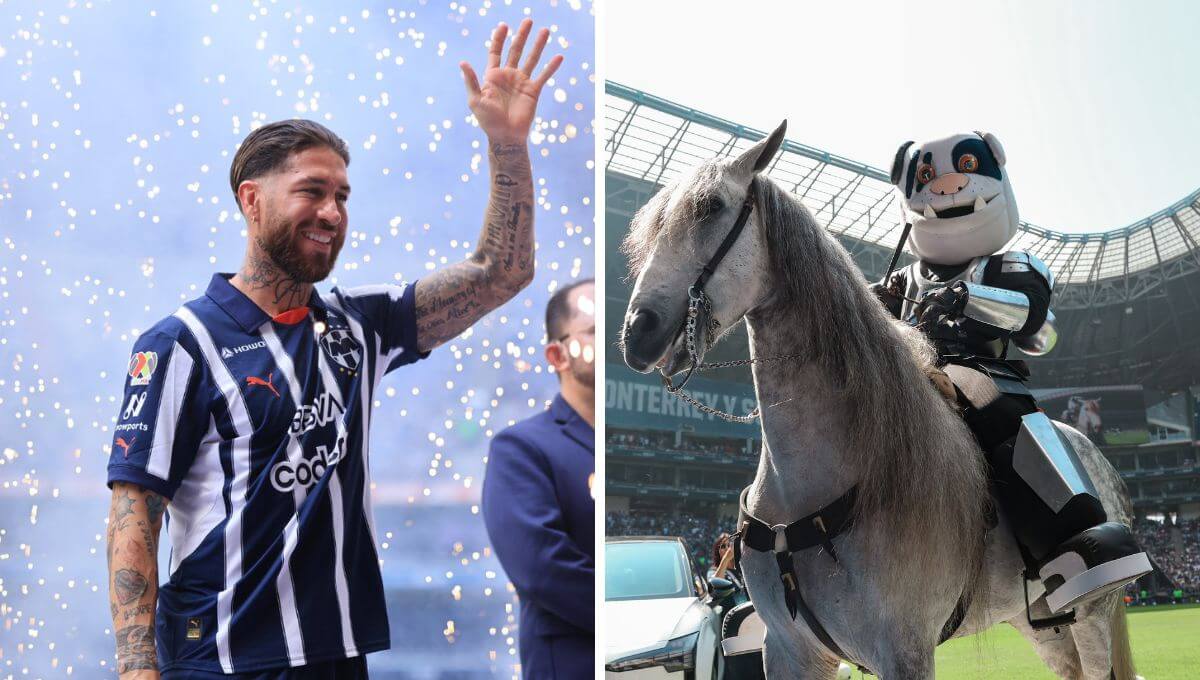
point(243, 310)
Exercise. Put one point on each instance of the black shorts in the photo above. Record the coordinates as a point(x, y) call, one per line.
point(354, 668)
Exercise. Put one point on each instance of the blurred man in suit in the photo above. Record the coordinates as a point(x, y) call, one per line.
point(538, 503)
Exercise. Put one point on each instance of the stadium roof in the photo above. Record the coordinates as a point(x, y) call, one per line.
point(655, 140)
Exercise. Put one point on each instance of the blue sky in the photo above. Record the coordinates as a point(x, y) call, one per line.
point(1096, 103)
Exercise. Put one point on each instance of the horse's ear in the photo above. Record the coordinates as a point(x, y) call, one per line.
point(758, 157)
point(994, 145)
point(898, 164)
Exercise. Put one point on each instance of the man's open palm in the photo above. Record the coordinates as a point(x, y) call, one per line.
point(507, 101)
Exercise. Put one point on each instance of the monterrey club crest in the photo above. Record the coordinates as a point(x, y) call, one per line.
point(342, 348)
point(141, 367)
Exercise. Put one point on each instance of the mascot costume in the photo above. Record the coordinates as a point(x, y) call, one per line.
point(972, 300)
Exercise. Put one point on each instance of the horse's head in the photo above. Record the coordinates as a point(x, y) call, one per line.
point(670, 242)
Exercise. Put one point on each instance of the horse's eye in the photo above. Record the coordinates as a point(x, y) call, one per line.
point(709, 207)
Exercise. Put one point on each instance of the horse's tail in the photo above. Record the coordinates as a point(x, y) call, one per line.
point(1122, 654)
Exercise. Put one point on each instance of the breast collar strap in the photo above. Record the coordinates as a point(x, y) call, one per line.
point(817, 529)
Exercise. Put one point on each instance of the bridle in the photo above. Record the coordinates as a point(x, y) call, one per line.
point(697, 298)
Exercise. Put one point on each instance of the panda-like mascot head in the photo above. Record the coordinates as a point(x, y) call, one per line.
point(956, 194)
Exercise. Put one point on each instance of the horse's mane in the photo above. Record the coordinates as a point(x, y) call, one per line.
point(921, 471)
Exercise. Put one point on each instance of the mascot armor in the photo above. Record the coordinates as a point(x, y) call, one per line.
point(971, 299)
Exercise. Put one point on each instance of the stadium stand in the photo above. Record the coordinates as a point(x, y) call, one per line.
point(1128, 308)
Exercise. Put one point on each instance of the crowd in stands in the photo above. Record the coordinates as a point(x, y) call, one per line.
point(1178, 556)
point(666, 441)
point(698, 532)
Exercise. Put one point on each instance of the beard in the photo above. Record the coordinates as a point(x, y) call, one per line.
point(583, 371)
point(280, 243)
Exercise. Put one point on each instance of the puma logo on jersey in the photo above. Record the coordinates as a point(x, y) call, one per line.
point(125, 445)
point(255, 381)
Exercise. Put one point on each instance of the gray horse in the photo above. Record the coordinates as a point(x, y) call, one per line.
point(856, 409)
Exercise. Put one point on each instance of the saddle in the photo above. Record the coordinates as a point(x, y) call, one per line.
point(938, 378)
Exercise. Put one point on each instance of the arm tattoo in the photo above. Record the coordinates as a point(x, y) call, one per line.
point(132, 562)
point(450, 300)
point(156, 505)
point(130, 585)
point(124, 506)
point(135, 649)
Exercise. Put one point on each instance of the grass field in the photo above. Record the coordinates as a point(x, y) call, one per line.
point(1166, 646)
point(1126, 437)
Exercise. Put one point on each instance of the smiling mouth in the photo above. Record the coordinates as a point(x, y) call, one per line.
point(318, 237)
point(958, 210)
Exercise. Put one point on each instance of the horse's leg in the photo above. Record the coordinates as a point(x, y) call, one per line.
point(791, 656)
point(1058, 651)
point(1103, 640)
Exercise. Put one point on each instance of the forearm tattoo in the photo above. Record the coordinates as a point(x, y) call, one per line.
point(135, 649)
point(451, 300)
point(134, 523)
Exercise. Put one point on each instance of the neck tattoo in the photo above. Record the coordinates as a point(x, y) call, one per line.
point(261, 274)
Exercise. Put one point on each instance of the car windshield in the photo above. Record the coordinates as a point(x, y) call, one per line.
point(643, 570)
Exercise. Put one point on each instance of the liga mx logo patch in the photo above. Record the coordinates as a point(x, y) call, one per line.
point(141, 367)
point(342, 348)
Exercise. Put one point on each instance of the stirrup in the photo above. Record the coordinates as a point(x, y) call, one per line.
point(1054, 622)
point(1081, 584)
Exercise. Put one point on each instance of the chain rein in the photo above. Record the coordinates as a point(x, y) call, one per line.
point(695, 299)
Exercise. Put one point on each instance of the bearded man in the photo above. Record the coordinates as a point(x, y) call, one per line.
point(538, 502)
point(246, 412)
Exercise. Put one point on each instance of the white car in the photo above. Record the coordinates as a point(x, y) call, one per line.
point(664, 621)
point(660, 616)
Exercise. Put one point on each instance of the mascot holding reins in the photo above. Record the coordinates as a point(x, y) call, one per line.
point(973, 300)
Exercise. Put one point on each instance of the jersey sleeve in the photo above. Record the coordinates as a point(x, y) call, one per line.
point(1013, 271)
point(391, 311)
point(163, 416)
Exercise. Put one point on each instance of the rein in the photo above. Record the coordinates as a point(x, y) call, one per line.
point(698, 299)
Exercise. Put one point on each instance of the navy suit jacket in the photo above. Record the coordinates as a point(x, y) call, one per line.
point(540, 516)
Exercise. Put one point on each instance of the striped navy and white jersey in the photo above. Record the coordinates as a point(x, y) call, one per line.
point(256, 429)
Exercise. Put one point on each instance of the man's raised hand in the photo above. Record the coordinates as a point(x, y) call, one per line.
point(507, 101)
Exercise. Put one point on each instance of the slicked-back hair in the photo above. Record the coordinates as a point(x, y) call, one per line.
point(268, 149)
point(558, 310)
